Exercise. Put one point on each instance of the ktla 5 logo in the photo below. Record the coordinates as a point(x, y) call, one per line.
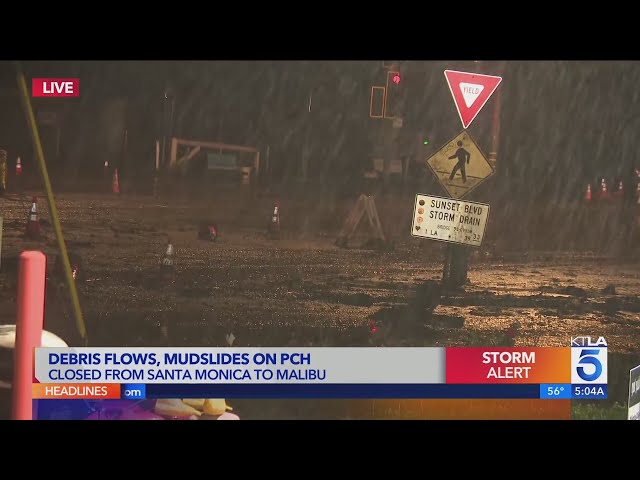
point(55, 87)
point(588, 360)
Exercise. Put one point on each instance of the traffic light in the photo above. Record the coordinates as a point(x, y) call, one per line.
point(394, 95)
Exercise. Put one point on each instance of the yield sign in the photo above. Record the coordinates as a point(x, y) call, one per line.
point(470, 92)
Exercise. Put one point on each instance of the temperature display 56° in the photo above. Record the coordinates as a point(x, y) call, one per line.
point(555, 391)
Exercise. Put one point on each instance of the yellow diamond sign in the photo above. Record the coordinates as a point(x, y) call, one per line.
point(460, 165)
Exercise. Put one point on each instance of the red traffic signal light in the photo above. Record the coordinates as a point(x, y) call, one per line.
point(393, 96)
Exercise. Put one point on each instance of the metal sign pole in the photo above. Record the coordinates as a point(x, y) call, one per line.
point(458, 264)
point(456, 267)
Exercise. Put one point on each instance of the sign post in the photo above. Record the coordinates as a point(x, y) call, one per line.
point(460, 166)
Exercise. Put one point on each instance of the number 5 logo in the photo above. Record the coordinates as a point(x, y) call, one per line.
point(589, 357)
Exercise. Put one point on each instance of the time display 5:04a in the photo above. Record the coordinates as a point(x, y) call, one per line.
point(589, 391)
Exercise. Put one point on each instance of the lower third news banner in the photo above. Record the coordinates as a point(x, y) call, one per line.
point(575, 372)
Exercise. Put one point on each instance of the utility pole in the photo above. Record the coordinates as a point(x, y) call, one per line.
point(306, 151)
point(389, 150)
point(163, 141)
point(168, 104)
point(173, 105)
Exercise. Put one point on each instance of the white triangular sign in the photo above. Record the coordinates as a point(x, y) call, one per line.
point(470, 92)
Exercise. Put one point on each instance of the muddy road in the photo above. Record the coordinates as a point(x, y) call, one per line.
point(303, 290)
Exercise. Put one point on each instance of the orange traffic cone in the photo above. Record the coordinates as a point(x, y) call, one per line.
point(274, 224)
point(587, 196)
point(604, 192)
point(75, 261)
point(168, 264)
point(620, 191)
point(33, 224)
point(208, 231)
point(115, 187)
point(18, 167)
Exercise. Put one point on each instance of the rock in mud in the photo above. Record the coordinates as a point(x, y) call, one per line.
point(575, 291)
point(398, 322)
point(611, 305)
point(295, 281)
point(195, 291)
point(359, 299)
point(547, 288)
point(447, 321)
point(489, 311)
point(426, 296)
point(609, 289)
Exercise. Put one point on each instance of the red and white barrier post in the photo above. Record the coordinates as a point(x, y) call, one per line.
point(29, 325)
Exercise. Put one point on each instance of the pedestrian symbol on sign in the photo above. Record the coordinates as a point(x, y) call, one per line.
point(471, 174)
point(463, 160)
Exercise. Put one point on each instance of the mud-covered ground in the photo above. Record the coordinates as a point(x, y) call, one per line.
point(303, 290)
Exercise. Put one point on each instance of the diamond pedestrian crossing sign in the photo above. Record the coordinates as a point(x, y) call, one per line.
point(460, 166)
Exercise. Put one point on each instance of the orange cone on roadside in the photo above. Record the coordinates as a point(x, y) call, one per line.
point(18, 167)
point(604, 192)
point(274, 224)
point(115, 187)
point(168, 263)
point(33, 224)
point(208, 231)
point(587, 196)
point(620, 191)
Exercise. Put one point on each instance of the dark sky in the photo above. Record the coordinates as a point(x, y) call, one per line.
point(562, 121)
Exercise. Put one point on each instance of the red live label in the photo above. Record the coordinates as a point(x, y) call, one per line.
point(55, 87)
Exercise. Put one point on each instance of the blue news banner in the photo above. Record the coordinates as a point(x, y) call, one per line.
point(278, 373)
point(363, 391)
